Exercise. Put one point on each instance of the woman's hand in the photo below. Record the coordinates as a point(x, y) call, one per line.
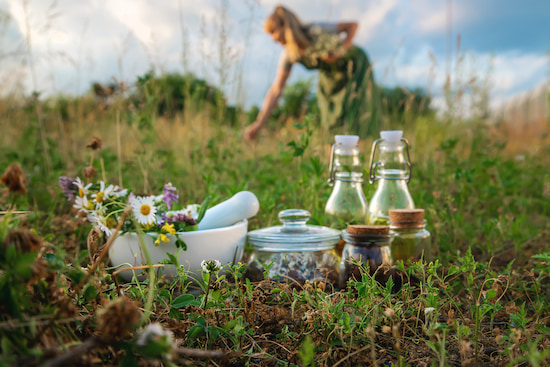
point(349, 28)
point(251, 131)
point(332, 57)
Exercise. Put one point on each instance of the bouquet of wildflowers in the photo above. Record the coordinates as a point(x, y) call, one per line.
point(158, 215)
point(323, 45)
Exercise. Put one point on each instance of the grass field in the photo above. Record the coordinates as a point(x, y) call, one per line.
point(484, 301)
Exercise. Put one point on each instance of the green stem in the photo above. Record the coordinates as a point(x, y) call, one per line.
point(151, 273)
point(12, 202)
point(207, 291)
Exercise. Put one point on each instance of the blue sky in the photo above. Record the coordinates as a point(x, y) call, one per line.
point(504, 44)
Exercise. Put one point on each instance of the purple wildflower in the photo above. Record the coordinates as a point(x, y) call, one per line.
point(177, 217)
point(68, 187)
point(170, 195)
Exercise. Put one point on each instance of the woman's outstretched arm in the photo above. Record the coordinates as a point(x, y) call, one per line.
point(349, 28)
point(270, 101)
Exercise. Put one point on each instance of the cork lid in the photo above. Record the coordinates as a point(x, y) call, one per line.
point(368, 229)
point(406, 217)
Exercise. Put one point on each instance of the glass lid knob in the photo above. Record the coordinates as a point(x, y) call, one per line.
point(294, 220)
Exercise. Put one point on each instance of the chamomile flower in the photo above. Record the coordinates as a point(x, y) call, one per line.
point(83, 190)
point(98, 221)
point(103, 193)
point(144, 210)
point(118, 192)
point(82, 204)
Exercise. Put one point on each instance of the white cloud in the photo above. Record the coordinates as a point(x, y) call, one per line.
point(371, 19)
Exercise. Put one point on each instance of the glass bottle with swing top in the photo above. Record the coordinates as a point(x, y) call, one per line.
point(392, 171)
point(347, 203)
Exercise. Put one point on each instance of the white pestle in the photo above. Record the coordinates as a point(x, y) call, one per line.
point(242, 205)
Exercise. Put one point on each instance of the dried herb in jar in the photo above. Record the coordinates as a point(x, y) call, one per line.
point(366, 246)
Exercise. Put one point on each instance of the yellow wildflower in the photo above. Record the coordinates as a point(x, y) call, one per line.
point(162, 237)
point(169, 228)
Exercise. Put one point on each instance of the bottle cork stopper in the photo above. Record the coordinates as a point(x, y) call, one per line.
point(406, 216)
point(368, 229)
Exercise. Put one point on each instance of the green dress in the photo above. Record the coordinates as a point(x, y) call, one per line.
point(347, 95)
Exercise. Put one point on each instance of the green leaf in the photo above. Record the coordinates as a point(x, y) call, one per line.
point(307, 351)
point(196, 332)
point(76, 275)
point(491, 293)
point(90, 292)
point(181, 243)
point(203, 208)
point(175, 314)
point(54, 261)
point(184, 300)
point(453, 269)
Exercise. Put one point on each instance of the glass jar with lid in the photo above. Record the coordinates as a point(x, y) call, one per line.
point(411, 240)
point(294, 251)
point(365, 246)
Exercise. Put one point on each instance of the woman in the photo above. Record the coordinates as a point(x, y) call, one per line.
point(346, 89)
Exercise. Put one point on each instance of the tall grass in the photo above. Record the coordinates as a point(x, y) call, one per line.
point(477, 192)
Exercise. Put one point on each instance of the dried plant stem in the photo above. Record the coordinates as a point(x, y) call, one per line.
point(77, 351)
point(104, 251)
point(5, 212)
point(351, 355)
point(201, 353)
point(119, 148)
point(132, 268)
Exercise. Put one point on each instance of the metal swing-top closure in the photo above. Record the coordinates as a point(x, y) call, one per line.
point(373, 165)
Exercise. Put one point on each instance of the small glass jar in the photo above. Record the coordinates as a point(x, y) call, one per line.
point(411, 240)
point(365, 245)
point(295, 251)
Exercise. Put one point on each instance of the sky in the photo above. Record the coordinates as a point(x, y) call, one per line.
point(500, 46)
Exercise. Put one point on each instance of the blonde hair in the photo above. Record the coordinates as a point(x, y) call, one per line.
point(295, 37)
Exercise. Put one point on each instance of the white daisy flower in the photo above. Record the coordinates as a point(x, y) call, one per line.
point(108, 192)
point(102, 194)
point(144, 210)
point(83, 190)
point(117, 192)
point(82, 204)
point(98, 221)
